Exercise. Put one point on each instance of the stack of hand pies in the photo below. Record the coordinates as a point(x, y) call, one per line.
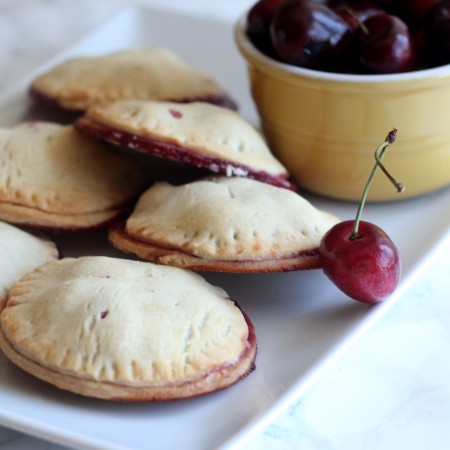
point(144, 327)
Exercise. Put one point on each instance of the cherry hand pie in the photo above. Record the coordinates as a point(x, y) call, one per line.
point(141, 73)
point(199, 134)
point(226, 224)
point(55, 177)
point(20, 253)
point(125, 330)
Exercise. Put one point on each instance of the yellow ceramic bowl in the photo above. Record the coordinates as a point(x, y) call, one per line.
point(325, 127)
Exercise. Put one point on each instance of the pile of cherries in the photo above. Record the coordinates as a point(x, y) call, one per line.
point(353, 36)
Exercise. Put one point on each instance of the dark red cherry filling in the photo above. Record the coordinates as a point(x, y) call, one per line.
point(180, 154)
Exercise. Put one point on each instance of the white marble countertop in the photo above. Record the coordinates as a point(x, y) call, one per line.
point(391, 391)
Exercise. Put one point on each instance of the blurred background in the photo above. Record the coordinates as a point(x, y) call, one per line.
point(33, 30)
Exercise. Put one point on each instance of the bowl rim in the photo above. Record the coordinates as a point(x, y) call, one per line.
point(248, 50)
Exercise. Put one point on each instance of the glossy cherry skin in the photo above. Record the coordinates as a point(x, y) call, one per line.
point(308, 34)
point(386, 45)
point(367, 268)
point(437, 33)
point(259, 19)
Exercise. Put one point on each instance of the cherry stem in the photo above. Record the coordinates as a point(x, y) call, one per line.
point(379, 153)
point(398, 185)
point(358, 21)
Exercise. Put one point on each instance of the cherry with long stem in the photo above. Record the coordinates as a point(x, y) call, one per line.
point(358, 256)
point(379, 153)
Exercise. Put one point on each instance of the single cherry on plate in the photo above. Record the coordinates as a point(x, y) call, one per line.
point(359, 257)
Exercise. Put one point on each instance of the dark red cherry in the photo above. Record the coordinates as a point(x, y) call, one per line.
point(436, 32)
point(259, 19)
point(356, 12)
point(420, 8)
point(385, 45)
point(308, 34)
point(415, 11)
point(366, 268)
point(359, 257)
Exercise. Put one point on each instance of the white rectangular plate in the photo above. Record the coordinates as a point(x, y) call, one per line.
point(303, 322)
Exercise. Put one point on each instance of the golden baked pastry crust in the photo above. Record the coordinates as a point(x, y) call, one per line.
point(203, 135)
point(125, 330)
point(224, 224)
point(23, 215)
point(20, 253)
point(141, 73)
point(53, 176)
point(179, 258)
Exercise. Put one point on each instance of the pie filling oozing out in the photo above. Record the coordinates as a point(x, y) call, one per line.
point(170, 150)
